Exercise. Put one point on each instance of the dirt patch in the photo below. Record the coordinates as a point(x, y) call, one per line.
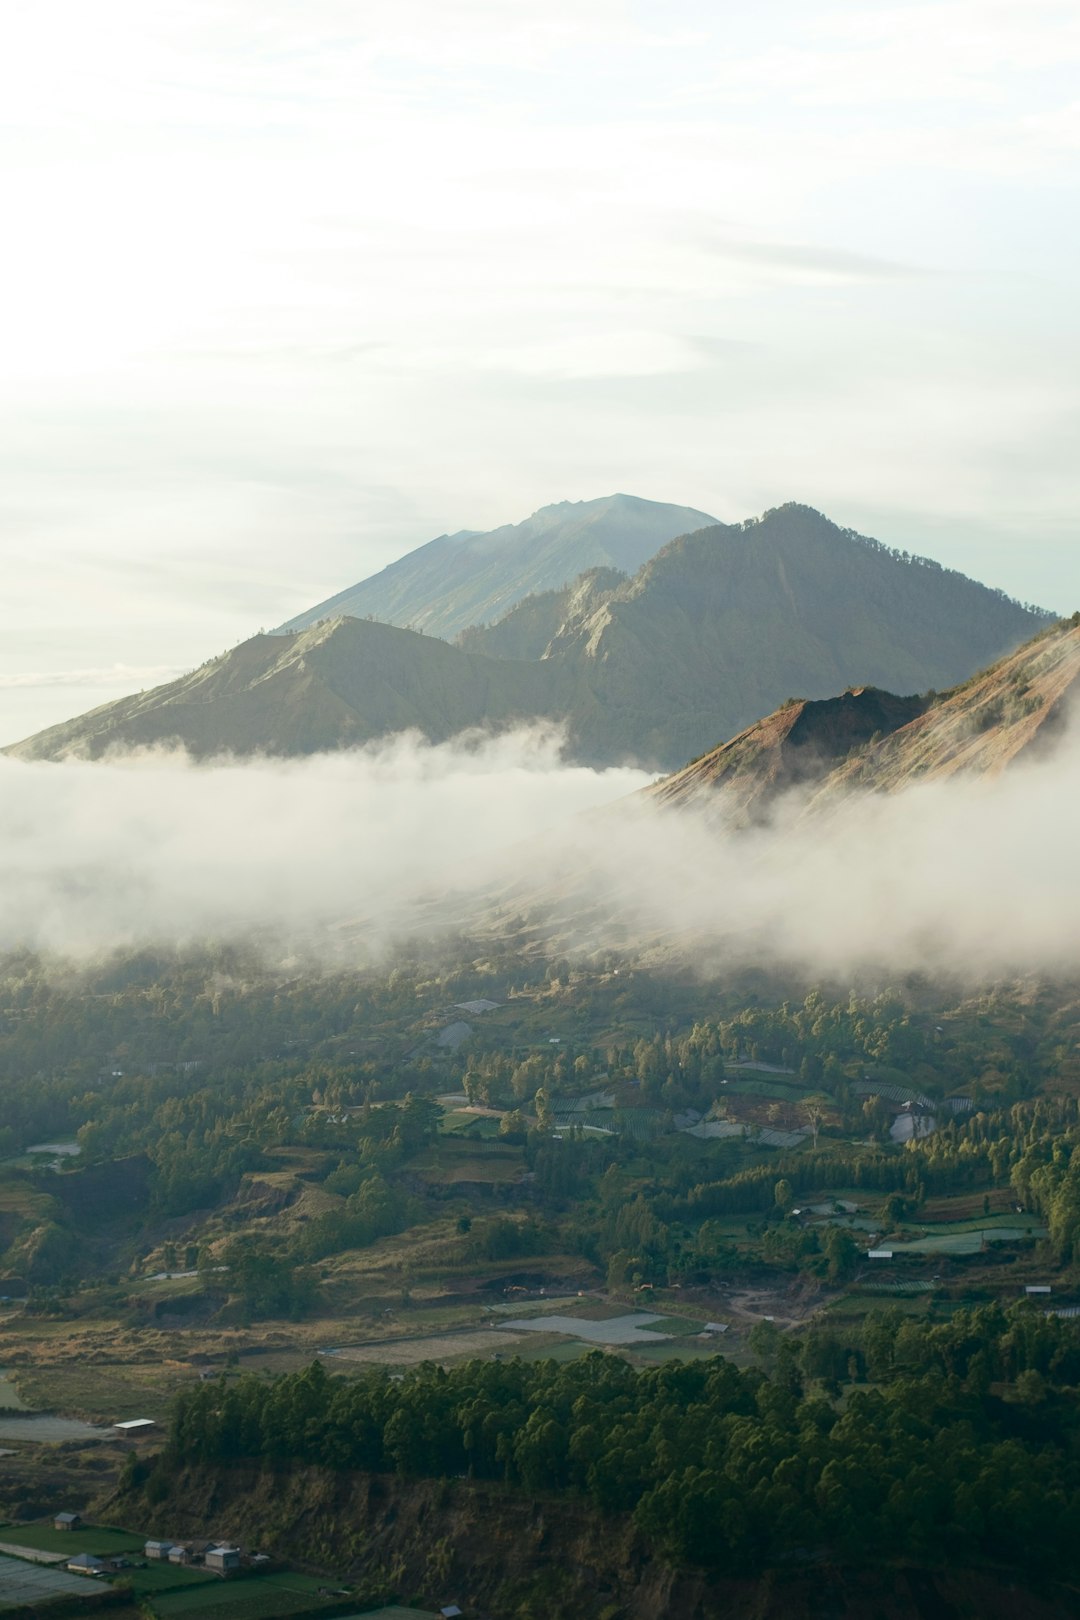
point(787, 1307)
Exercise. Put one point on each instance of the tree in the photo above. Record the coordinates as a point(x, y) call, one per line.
point(842, 1253)
point(814, 1109)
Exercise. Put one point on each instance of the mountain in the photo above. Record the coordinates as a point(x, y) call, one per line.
point(834, 751)
point(718, 628)
point(340, 683)
point(468, 578)
point(796, 746)
point(871, 741)
point(722, 625)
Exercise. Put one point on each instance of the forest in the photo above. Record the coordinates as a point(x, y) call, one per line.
point(959, 1440)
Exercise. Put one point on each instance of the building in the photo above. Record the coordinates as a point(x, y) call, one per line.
point(1037, 1288)
point(714, 1327)
point(157, 1549)
point(86, 1564)
point(134, 1427)
point(67, 1521)
point(450, 1612)
point(879, 1254)
point(179, 1555)
point(223, 1559)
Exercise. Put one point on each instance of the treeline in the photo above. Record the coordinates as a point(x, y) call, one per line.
point(967, 1448)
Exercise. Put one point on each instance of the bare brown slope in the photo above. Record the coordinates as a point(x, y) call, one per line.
point(799, 744)
point(1015, 710)
point(503, 1554)
point(871, 741)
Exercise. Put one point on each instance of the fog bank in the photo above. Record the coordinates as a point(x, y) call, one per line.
point(345, 852)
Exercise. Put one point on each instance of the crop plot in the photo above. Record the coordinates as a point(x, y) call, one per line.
point(102, 1543)
point(24, 1584)
point(265, 1597)
point(971, 1241)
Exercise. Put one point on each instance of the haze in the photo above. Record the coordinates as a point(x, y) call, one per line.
point(290, 290)
point(341, 856)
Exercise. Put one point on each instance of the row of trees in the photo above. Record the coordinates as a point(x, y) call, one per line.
point(720, 1466)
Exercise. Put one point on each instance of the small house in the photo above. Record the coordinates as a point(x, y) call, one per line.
point(67, 1521)
point(1037, 1288)
point(132, 1428)
point(714, 1327)
point(86, 1564)
point(450, 1612)
point(179, 1555)
point(879, 1254)
point(157, 1549)
point(223, 1559)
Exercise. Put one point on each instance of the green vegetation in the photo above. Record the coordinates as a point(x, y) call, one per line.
point(100, 1541)
point(967, 1445)
point(272, 1168)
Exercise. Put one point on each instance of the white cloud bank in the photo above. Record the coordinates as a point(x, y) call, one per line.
point(346, 851)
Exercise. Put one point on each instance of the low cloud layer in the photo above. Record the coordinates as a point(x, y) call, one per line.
point(346, 852)
point(155, 848)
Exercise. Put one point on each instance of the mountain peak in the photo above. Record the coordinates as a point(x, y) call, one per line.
point(471, 578)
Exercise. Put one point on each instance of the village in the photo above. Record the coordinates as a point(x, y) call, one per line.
point(64, 1559)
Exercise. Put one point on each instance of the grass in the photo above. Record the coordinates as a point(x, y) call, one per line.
point(393, 1612)
point(264, 1597)
point(677, 1350)
point(677, 1326)
point(567, 1350)
point(109, 1391)
point(43, 1538)
point(166, 1577)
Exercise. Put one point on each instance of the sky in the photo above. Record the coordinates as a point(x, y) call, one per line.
point(289, 289)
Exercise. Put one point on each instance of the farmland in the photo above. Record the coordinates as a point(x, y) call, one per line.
point(603, 1168)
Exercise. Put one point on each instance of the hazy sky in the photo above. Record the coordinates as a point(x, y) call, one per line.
point(287, 289)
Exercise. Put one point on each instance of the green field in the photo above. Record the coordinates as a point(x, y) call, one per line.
point(394, 1612)
point(776, 1090)
point(43, 1538)
point(677, 1326)
point(157, 1577)
point(264, 1597)
point(967, 1238)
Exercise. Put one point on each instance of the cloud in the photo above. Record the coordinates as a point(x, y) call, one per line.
point(498, 839)
point(153, 848)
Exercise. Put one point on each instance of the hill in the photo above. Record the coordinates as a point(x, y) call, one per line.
point(468, 578)
point(797, 745)
point(716, 629)
point(721, 626)
point(341, 683)
point(871, 741)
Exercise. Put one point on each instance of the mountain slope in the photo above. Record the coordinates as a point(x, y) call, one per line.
point(721, 626)
point(529, 628)
point(343, 682)
point(464, 579)
point(797, 745)
point(718, 628)
point(872, 742)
